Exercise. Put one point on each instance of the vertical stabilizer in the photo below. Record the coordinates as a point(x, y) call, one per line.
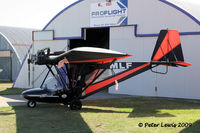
point(168, 48)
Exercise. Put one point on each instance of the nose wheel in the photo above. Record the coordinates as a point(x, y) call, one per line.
point(31, 104)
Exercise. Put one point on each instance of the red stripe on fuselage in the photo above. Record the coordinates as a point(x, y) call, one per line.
point(111, 80)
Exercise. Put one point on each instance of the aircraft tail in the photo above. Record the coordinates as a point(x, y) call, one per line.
point(168, 50)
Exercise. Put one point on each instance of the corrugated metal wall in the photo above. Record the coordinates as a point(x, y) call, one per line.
point(16, 40)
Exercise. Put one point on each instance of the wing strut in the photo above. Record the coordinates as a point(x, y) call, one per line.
point(45, 78)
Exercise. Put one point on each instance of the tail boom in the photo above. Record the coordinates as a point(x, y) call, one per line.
point(108, 82)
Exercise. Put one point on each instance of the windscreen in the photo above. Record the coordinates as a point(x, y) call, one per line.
point(51, 84)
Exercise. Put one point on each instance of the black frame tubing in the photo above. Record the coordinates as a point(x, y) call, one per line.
point(44, 79)
point(54, 75)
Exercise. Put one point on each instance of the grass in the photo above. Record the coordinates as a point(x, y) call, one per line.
point(100, 116)
point(6, 89)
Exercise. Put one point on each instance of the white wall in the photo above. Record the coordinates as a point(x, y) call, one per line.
point(150, 15)
point(179, 82)
point(122, 39)
point(22, 79)
point(153, 15)
point(70, 22)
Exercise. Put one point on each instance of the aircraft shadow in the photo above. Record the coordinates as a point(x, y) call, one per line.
point(146, 107)
point(193, 129)
point(52, 118)
point(49, 118)
point(58, 118)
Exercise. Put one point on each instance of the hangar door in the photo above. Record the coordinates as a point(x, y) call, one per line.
point(5, 66)
point(92, 37)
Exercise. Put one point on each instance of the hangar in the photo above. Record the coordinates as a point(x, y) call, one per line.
point(128, 26)
point(14, 44)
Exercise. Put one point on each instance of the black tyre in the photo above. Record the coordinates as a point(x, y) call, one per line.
point(31, 104)
point(75, 105)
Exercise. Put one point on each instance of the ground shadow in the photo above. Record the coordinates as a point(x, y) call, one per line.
point(58, 118)
point(53, 118)
point(147, 107)
point(11, 91)
point(49, 118)
point(194, 128)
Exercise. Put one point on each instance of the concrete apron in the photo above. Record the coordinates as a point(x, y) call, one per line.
point(17, 100)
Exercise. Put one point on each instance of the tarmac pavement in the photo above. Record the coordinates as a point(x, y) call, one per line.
point(11, 100)
point(17, 100)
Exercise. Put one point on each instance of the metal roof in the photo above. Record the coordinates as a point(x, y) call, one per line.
point(19, 38)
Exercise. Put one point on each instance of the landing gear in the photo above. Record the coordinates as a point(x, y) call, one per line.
point(31, 104)
point(75, 105)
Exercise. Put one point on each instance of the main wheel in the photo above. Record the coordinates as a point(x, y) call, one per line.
point(75, 105)
point(31, 104)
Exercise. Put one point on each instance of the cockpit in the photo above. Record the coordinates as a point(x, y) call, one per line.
point(51, 84)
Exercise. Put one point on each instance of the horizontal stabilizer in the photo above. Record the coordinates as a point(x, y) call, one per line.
point(175, 64)
point(184, 64)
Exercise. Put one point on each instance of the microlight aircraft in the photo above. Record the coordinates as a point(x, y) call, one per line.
point(83, 66)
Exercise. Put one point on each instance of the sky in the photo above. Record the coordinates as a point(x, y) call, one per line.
point(30, 13)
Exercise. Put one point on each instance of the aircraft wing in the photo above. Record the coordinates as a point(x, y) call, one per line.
point(82, 55)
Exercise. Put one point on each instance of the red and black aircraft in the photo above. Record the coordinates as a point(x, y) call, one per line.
point(78, 70)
